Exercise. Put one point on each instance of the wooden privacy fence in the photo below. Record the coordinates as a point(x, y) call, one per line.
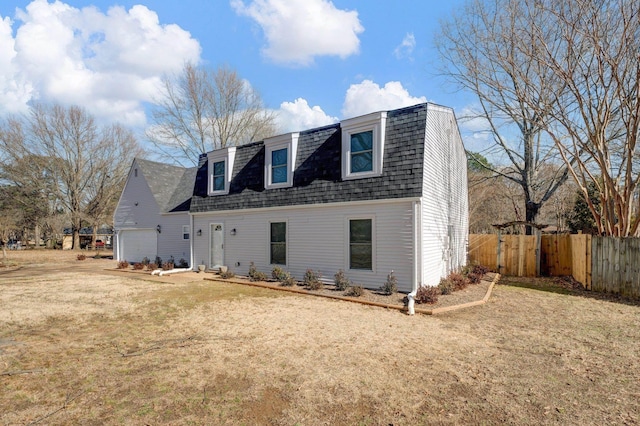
point(604, 264)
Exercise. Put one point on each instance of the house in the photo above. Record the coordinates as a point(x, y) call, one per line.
point(369, 195)
point(152, 216)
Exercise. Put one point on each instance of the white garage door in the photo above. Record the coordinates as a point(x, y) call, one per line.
point(136, 244)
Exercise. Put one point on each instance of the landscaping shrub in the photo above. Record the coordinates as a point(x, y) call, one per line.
point(446, 286)
point(123, 264)
point(227, 274)
point(427, 294)
point(289, 281)
point(390, 286)
point(145, 261)
point(474, 278)
point(277, 273)
point(182, 263)
point(167, 266)
point(459, 281)
point(255, 275)
point(312, 280)
point(354, 291)
point(152, 266)
point(341, 281)
point(81, 257)
point(158, 260)
point(480, 270)
point(138, 266)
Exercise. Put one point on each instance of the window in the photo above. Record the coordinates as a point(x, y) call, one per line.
point(280, 160)
point(360, 244)
point(220, 169)
point(218, 176)
point(362, 152)
point(279, 165)
point(363, 145)
point(185, 232)
point(278, 244)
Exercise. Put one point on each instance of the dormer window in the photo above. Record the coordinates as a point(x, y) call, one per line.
point(280, 160)
point(220, 168)
point(363, 146)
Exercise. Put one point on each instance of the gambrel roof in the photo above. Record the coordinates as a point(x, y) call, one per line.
point(171, 186)
point(317, 173)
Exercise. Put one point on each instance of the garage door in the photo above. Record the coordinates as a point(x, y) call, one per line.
point(136, 244)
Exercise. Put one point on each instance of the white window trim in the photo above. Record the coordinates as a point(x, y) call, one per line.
point(376, 123)
point(185, 231)
point(347, 239)
point(289, 141)
point(227, 155)
point(286, 241)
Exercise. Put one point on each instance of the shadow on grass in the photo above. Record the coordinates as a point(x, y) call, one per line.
point(566, 286)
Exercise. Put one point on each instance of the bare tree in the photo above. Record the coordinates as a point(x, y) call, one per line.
point(595, 120)
point(67, 161)
point(202, 109)
point(486, 49)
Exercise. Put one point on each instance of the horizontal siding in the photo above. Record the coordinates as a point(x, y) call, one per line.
point(170, 241)
point(317, 239)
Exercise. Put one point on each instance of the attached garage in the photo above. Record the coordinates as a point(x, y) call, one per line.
point(136, 244)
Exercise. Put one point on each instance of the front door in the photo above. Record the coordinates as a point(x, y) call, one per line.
point(217, 246)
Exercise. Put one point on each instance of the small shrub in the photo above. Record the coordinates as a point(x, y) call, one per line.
point(459, 281)
point(123, 264)
point(480, 270)
point(277, 273)
point(341, 281)
point(167, 266)
point(138, 266)
point(227, 274)
point(474, 278)
point(312, 280)
point(145, 261)
point(446, 286)
point(390, 286)
point(182, 263)
point(289, 281)
point(252, 269)
point(427, 294)
point(354, 291)
point(152, 266)
point(158, 260)
point(81, 257)
point(259, 276)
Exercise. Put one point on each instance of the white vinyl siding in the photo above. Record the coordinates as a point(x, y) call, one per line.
point(445, 199)
point(317, 238)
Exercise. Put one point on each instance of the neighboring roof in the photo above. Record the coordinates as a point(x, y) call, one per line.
point(317, 174)
point(171, 186)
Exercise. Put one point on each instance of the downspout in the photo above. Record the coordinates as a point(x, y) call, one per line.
point(417, 256)
point(161, 272)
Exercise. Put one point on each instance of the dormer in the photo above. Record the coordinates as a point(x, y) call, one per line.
point(363, 145)
point(220, 168)
point(280, 160)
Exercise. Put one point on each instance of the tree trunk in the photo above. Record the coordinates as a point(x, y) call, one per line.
point(532, 210)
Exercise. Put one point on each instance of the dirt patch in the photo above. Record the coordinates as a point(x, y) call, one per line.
point(216, 353)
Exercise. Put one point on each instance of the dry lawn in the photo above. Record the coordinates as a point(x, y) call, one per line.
point(81, 346)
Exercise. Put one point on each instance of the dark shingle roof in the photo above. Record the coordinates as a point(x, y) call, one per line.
point(171, 186)
point(317, 175)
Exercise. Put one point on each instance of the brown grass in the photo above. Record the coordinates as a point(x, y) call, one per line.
point(82, 347)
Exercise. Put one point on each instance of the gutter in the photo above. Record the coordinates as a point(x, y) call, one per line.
point(417, 256)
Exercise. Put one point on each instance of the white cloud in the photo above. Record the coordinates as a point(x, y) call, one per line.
point(108, 62)
point(367, 97)
point(405, 49)
point(298, 115)
point(299, 30)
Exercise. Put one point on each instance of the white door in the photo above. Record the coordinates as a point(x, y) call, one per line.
point(136, 244)
point(217, 245)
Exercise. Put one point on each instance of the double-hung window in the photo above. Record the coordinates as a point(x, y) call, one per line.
point(218, 176)
point(280, 160)
point(278, 243)
point(363, 145)
point(361, 244)
point(220, 168)
point(185, 232)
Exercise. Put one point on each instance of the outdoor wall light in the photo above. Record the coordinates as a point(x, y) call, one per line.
point(233, 231)
point(159, 229)
point(199, 233)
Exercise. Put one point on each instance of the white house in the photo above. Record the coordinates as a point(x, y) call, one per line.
point(385, 191)
point(382, 192)
point(152, 216)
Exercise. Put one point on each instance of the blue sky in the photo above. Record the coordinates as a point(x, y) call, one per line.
point(313, 61)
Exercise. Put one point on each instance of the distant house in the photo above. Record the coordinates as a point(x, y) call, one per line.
point(104, 234)
point(152, 216)
point(381, 192)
